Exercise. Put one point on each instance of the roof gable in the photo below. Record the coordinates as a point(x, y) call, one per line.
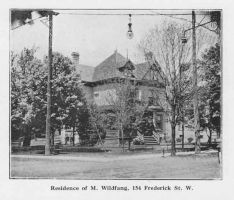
point(127, 66)
point(141, 70)
point(128, 69)
point(146, 72)
point(109, 67)
point(115, 65)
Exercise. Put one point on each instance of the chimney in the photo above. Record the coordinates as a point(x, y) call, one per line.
point(75, 58)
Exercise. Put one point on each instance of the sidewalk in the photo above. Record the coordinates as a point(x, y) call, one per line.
point(106, 157)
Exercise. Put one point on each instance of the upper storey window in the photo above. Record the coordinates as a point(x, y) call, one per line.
point(128, 69)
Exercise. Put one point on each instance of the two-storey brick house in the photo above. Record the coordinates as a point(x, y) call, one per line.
point(99, 82)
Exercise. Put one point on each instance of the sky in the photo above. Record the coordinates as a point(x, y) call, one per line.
point(95, 37)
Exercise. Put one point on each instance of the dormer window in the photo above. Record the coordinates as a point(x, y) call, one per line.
point(128, 69)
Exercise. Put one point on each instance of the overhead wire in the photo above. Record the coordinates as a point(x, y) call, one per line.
point(172, 15)
point(142, 14)
point(130, 11)
point(197, 24)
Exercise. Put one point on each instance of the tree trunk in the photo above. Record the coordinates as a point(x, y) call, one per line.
point(197, 142)
point(73, 136)
point(27, 135)
point(122, 135)
point(183, 134)
point(210, 137)
point(173, 144)
point(52, 138)
point(173, 126)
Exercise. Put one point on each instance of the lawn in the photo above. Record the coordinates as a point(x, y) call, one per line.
point(101, 166)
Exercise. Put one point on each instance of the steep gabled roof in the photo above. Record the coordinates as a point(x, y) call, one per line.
point(109, 67)
point(114, 65)
point(141, 70)
point(146, 72)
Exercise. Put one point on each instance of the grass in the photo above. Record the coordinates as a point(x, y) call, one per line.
point(105, 167)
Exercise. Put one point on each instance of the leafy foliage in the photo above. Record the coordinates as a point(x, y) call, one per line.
point(27, 75)
point(210, 111)
point(28, 96)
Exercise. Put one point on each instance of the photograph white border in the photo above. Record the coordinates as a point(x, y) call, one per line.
point(40, 189)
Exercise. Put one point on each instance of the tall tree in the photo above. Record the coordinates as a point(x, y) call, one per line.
point(164, 51)
point(28, 95)
point(27, 76)
point(210, 111)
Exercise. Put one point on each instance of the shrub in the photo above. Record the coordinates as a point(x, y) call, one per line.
point(190, 139)
point(138, 141)
point(178, 140)
point(93, 139)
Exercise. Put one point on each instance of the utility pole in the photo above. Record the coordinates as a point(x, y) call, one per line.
point(181, 105)
point(48, 115)
point(195, 88)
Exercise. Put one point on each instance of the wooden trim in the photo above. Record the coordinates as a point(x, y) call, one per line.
point(150, 83)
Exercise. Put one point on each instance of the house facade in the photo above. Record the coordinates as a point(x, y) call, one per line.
point(100, 84)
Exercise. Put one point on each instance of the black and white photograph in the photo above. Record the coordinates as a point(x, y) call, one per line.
point(115, 94)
